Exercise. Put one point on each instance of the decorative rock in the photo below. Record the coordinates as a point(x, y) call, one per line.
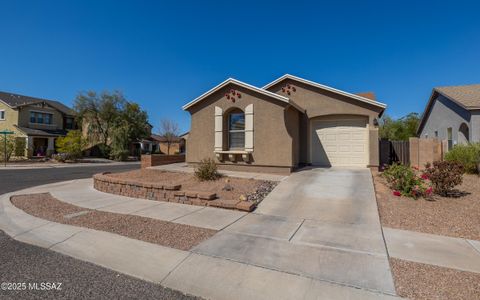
point(242, 198)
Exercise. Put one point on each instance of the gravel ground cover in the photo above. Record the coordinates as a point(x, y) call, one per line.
point(23, 263)
point(239, 186)
point(168, 234)
point(456, 217)
point(422, 281)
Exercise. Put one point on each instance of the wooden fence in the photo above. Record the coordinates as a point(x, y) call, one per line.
point(394, 151)
point(415, 152)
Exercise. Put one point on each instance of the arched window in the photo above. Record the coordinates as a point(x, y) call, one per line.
point(236, 129)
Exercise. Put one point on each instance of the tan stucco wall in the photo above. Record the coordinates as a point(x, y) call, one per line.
point(174, 148)
point(24, 117)
point(320, 103)
point(374, 154)
point(11, 118)
point(273, 139)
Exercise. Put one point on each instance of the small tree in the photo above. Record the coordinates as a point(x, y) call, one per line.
point(169, 131)
point(10, 147)
point(399, 129)
point(72, 144)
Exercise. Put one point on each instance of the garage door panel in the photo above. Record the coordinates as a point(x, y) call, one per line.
point(339, 143)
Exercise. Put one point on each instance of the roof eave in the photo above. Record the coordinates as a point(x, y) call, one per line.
point(237, 82)
point(328, 88)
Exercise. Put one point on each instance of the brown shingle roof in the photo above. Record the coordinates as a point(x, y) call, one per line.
point(465, 95)
point(15, 100)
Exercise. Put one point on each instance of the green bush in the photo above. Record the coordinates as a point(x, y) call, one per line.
point(10, 150)
point(20, 145)
point(468, 155)
point(404, 181)
point(206, 170)
point(72, 144)
point(444, 176)
point(119, 154)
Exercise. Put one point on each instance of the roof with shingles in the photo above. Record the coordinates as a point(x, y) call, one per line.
point(467, 96)
point(16, 100)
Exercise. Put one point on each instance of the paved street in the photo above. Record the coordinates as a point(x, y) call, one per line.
point(30, 264)
point(13, 180)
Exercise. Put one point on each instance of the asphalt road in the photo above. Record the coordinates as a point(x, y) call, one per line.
point(12, 180)
point(21, 263)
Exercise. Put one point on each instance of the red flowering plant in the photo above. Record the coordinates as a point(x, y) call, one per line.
point(404, 181)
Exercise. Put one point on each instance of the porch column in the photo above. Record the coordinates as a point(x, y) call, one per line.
point(29, 146)
point(51, 146)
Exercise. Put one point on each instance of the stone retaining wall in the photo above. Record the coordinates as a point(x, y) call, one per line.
point(150, 160)
point(170, 193)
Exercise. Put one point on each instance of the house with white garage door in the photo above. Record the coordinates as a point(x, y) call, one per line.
point(288, 123)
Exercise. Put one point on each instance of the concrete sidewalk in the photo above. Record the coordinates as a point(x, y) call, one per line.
point(443, 251)
point(202, 275)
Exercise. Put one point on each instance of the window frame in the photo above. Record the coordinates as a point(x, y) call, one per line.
point(36, 115)
point(229, 131)
point(450, 138)
point(3, 115)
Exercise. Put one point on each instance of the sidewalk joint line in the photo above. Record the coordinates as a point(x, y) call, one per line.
point(470, 243)
point(201, 208)
point(31, 229)
point(296, 230)
point(298, 274)
point(50, 248)
point(174, 268)
point(234, 221)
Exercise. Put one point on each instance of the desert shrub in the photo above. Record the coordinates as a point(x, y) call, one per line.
point(206, 170)
point(466, 154)
point(72, 144)
point(444, 176)
point(404, 181)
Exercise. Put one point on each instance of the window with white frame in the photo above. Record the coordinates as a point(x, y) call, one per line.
point(236, 130)
point(2, 115)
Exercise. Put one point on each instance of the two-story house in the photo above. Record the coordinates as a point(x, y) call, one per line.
point(39, 121)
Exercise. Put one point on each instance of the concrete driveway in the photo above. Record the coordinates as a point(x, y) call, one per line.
point(319, 223)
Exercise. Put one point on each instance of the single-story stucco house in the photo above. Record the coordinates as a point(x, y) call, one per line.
point(453, 114)
point(288, 123)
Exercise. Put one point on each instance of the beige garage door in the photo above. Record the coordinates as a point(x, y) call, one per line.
point(339, 142)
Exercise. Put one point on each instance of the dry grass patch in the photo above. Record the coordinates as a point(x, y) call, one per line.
point(178, 236)
point(456, 217)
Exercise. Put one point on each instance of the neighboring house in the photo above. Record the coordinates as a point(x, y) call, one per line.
point(161, 145)
point(288, 123)
point(453, 114)
point(39, 121)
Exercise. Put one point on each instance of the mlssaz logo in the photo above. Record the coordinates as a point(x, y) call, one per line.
point(45, 286)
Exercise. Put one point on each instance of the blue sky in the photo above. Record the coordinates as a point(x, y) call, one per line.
point(164, 54)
